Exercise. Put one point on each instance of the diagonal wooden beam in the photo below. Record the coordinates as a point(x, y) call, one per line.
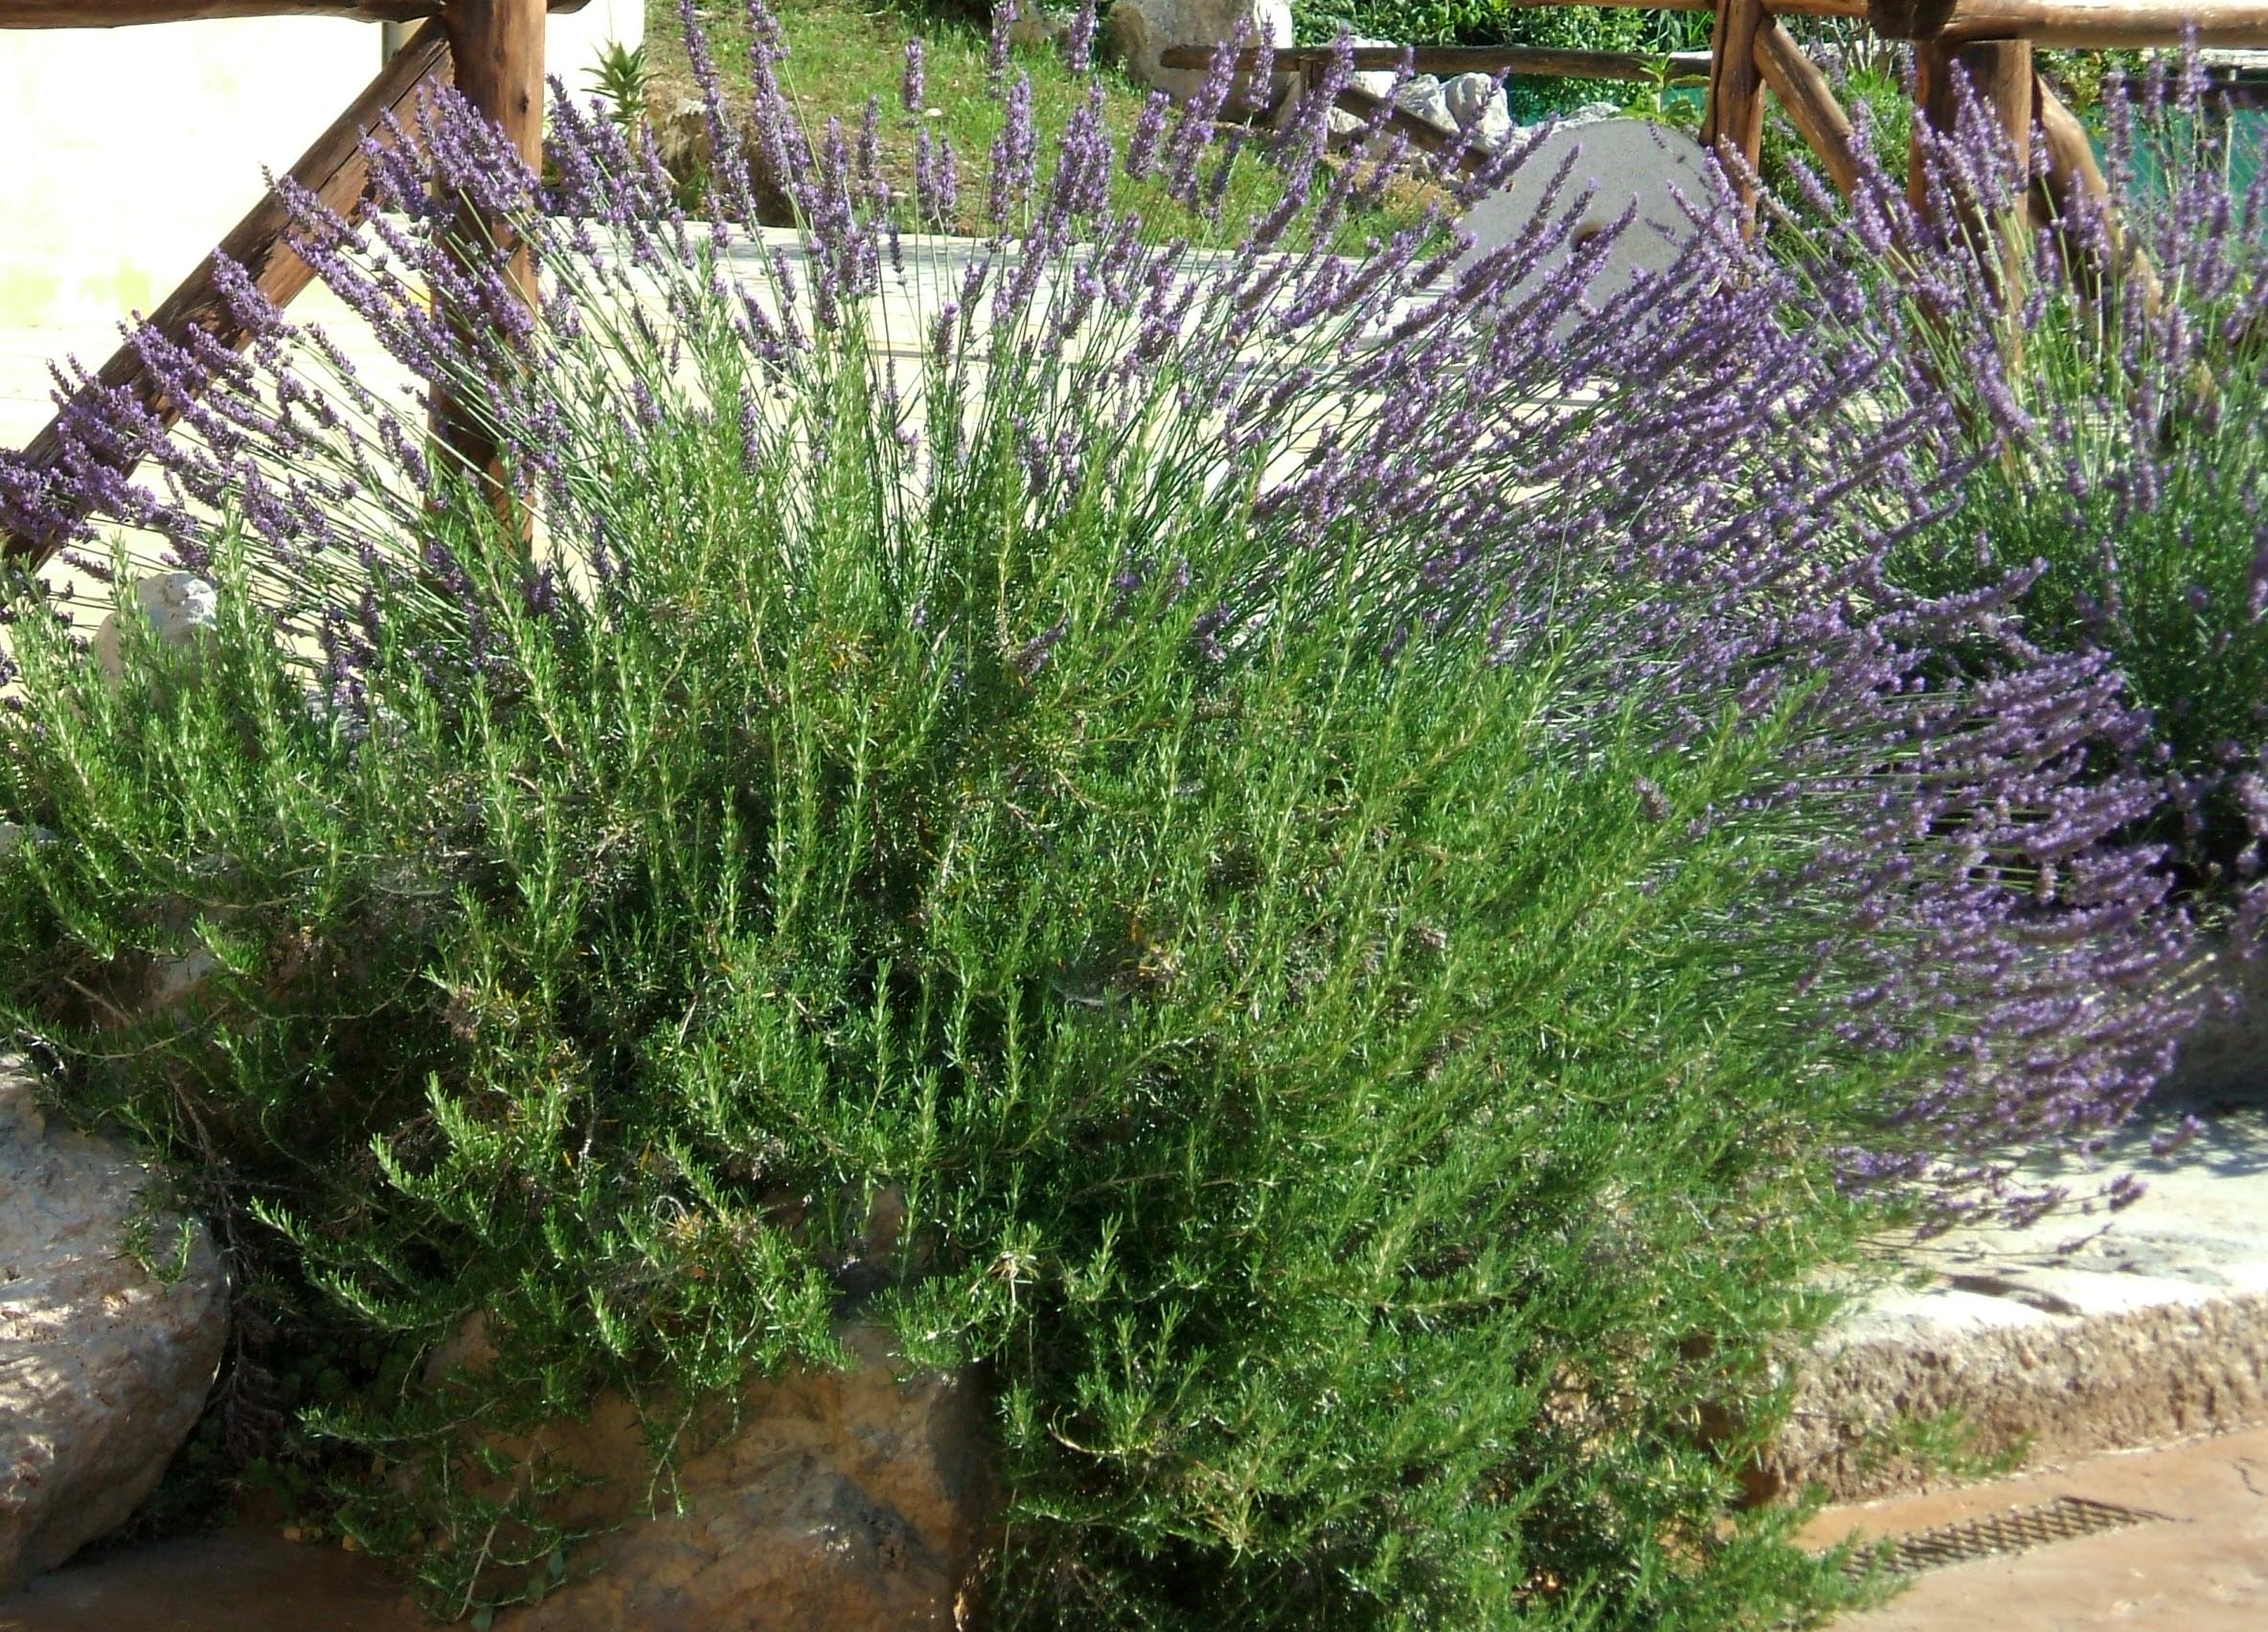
point(1802, 89)
point(336, 170)
point(1423, 134)
point(126, 13)
point(498, 46)
point(2071, 181)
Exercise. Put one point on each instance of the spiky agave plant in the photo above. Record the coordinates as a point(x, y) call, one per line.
point(1358, 848)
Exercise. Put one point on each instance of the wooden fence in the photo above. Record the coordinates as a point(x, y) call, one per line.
point(1987, 42)
point(492, 50)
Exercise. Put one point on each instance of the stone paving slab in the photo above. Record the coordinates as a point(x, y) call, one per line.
point(240, 1580)
point(2089, 1331)
point(2199, 1564)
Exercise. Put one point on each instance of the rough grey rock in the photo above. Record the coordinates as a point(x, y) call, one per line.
point(14, 836)
point(1423, 97)
point(1380, 83)
point(2225, 1055)
point(1477, 100)
point(104, 1368)
point(843, 1502)
point(179, 607)
point(1143, 29)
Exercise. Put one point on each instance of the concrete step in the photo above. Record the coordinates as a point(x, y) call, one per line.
point(2089, 1331)
point(2194, 1560)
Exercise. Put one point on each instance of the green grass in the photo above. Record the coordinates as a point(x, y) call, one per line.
point(841, 54)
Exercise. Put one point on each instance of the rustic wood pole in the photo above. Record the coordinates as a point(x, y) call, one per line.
point(498, 49)
point(1999, 74)
point(1802, 89)
point(336, 171)
point(2071, 181)
point(1733, 124)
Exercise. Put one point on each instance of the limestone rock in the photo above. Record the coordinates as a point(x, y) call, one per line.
point(2225, 1055)
point(1477, 99)
point(104, 1368)
point(846, 1502)
point(1143, 29)
point(1380, 83)
point(2082, 1333)
point(14, 837)
point(179, 607)
point(1424, 97)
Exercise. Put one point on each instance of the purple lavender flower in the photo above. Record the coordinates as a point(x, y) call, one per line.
point(913, 93)
point(1682, 502)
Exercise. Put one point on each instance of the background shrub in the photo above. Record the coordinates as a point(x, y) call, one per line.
point(1489, 22)
point(2111, 379)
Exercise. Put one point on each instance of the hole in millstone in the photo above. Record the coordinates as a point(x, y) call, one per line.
point(1994, 1536)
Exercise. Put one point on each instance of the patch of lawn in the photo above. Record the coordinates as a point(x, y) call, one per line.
point(841, 54)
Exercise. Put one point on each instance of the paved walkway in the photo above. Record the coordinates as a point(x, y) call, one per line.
point(2200, 1564)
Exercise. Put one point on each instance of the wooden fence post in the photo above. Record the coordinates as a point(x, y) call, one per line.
point(1802, 89)
point(1733, 124)
point(498, 49)
point(1999, 74)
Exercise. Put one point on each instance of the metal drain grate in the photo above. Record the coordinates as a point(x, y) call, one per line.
point(1995, 1535)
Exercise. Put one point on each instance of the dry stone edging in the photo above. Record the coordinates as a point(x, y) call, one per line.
point(103, 1367)
point(2054, 1386)
point(843, 1501)
point(2152, 1326)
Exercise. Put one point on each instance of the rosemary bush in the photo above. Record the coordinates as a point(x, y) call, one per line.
point(1327, 833)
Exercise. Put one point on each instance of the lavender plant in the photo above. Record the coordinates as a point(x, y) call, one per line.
point(2108, 360)
point(1360, 849)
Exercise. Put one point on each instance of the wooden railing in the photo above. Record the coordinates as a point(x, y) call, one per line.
point(493, 52)
point(1987, 42)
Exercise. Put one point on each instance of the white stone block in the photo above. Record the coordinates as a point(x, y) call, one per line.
point(1143, 30)
point(1620, 162)
point(180, 608)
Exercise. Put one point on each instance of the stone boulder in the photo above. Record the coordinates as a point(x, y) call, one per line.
point(180, 608)
point(848, 1501)
point(1618, 164)
point(1378, 81)
point(1424, 97)
point(103, 1367)
point(1143, 29)
point(1477, 101)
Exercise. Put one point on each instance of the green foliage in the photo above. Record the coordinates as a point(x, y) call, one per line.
point(1943, 1446)
point(1325, 1100)
point(625, 78)
point(1491, 22)
point(2115, 384)
point(840, 54)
